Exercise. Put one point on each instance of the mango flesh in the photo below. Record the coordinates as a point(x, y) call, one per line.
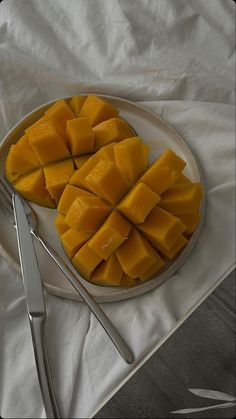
point(109, 272)
point(182, 198)
point(86, 260)
point(153, 269)
point(114, 129)
point(32, 187)
point(60, 224)
point(97, 110)
point(76, 104)
point(138, 203)
point(182, 179)
point(190, 220)
point(68, 196)
point(57, 177)
point(127, 281)
point(130, 158)
point(59, 113)
point(80, 136)
point(179, 243)
point(164, 172)
point(72, 240)
point(79, 161)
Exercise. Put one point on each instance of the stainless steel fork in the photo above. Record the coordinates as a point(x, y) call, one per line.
point(6, 193)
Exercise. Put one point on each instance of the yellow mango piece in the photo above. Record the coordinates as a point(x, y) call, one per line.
point(58, 114)
point(179, 243)
point(114, 129)
point(130, 158)
point(72, 240)
point(138, 203)
point(32, 187)
point(21, 159)
point(182, 179)
point(40, 121)
point(109, 272)
point(127, 281)
point(60, 224)
point(162, 228)
point(110, 235)
point(190, 220)
point(87, 213)
point(153, 269)
point(86, 260)
point(80, 136)
point(47, 143)
point(164, 172)
point(57, 176)
point(182, 199)
point(79, 161)
point(136, 255)
point(106, 181)
point(97, 110)
point(105, 153)
point(76, 104)
point(68, 196)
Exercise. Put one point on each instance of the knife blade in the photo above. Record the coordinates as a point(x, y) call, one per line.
point(35, 306)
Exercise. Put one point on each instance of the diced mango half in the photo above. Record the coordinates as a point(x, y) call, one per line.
point(190, 220)
point(179, 243)
point(182, 199)
point(97, 110)
point(47, 143)
point(164, 172)
point(57, 177)
point(68, 196)
point(138, 203)
point(60, 224)
point(87, 213)
point(79, 161)
point(21, 159)
point(110, 235)
point(109, 272)
point(59, 113)
point(114, 129)
point(80, 136)
point(136, 255)
point(72, 240)
point(130, 158)
point(162, 228)
point(99, 181)
point(76, 104)
point(32, 187)
point(86, 260)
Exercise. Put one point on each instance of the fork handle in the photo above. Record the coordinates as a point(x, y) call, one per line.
point(105, 322)
point(37, 326)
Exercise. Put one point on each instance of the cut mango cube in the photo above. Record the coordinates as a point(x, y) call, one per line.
point(190, 220)
point(72, 240)
point(21, 159)
point(97, 110)
point(86, 260)
point(80, 136)
point(182, 179)
point(110, 235)
point(127, 281)
point(114, 129)
point(87, 213)
point(136, 255)
point(68, 196)
point(99, 181)
point(58, 114)
point(130, 158)
point(182, 199)
point(79, 161)
point(164, 172)
point(179, 243)
point(76, 104)
point(60, 224)
point(47, 143)
point(153, 269)
point(57, 177)
point(109, 272)
point(138, 203)
point(162, 228)
point(32, 187)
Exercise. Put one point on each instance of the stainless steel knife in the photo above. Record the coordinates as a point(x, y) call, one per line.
point(35, 306)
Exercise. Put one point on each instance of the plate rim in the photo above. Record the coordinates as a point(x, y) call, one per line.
point(124, 293)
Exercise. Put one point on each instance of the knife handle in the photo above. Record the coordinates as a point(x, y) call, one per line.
point(37, 326)
point(105, 322)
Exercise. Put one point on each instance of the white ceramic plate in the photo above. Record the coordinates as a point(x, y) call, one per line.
point(156, 133)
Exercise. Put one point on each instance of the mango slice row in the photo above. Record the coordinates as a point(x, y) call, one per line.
point(119, 220)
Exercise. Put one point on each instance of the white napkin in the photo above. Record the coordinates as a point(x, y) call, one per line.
point(177, 59)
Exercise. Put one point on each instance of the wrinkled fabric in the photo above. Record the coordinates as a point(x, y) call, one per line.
point(174, 58)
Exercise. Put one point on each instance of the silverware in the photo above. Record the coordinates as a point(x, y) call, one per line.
point(70, 273)
point(35, 306)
